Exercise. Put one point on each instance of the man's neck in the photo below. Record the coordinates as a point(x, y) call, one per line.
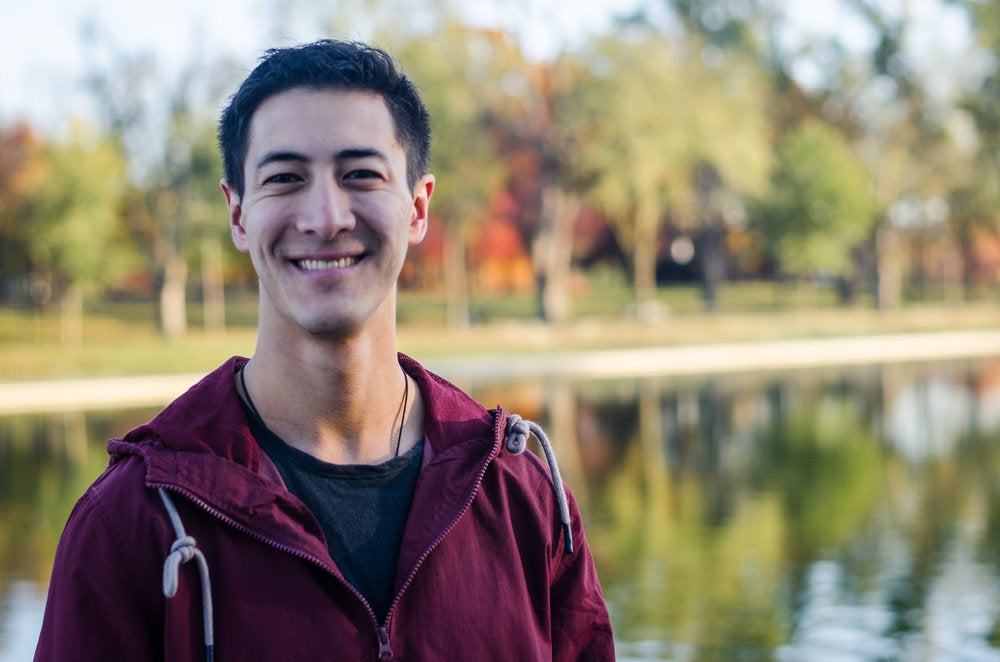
point(340, 401)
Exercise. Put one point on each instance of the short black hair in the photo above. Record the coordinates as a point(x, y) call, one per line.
point(321, 65)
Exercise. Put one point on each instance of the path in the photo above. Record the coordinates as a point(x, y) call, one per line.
point(155, 391)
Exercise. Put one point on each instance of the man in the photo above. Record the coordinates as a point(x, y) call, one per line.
point(338, 501)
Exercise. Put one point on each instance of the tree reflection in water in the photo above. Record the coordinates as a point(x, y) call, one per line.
point(811, 515)
point(815, 515)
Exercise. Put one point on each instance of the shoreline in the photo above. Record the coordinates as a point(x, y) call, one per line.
point(35, 397)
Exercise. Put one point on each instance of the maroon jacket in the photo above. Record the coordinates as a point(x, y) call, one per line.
point(482, 574)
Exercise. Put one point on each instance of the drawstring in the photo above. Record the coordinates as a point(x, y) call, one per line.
point(183, 550)
point(517, 440)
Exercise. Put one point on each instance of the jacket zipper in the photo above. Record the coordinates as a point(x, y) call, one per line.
point(288, 550)
point(385, 650)
point(384, 647)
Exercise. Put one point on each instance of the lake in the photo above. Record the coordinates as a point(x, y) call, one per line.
point(821, 515)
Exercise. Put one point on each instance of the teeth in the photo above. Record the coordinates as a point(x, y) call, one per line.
point(319, 265)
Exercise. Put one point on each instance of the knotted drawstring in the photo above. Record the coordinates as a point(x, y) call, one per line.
point(517, 440)
point(183, 550)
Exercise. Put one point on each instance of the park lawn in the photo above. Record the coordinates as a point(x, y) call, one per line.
point(123, 339)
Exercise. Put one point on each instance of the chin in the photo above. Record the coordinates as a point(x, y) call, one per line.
point(330, 329)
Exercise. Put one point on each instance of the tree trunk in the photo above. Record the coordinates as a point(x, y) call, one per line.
point(644, 256)
point(173, 298)
point(965, 243)
point(710, 240)
point(711, 262)
point(71, 316)
point(952, 272)
point(213, 287)
point(552, 253)
point(456, 276)
point(889, 268)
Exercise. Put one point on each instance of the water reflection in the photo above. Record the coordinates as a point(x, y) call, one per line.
point(813, 515)
point(816, 516)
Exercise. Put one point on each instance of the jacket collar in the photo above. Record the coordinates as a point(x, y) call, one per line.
point(209, 419)
point(200, 445)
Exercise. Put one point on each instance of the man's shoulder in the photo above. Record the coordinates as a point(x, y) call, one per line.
point(116, 498)
point(206, 419)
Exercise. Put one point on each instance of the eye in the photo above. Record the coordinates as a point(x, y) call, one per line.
point(363, 179)
point(282, 178)
point(361, 173)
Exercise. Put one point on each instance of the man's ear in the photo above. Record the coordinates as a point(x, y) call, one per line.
point(235, 217)
point(421, 208)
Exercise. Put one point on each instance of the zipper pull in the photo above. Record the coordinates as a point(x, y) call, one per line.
point(384, 648)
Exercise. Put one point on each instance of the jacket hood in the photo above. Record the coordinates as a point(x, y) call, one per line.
point(211, 418)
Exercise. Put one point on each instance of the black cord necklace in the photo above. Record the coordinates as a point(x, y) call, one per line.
point(401, 414)
point(246, 394)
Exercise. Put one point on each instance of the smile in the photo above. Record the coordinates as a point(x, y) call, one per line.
point(322, 265)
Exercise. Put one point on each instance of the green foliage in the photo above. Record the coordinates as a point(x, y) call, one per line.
point(819, 206)
point(457, 74)
point(983, 107)
point(649, 116)
point(73, 227)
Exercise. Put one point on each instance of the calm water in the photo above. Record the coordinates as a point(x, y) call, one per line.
point(820, 516)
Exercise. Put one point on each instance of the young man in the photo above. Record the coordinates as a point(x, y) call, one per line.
point(337, 501)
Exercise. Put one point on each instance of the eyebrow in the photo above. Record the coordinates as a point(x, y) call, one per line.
point(279, 156)
point(361, 153)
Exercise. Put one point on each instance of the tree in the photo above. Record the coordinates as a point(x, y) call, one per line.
point(73, 227)
point(689, 152)
point(536, 136)
point(975, 206)
point(819, 207)
point(191, 223)
point(164, 126)
point(22, 169)
point(457, 70)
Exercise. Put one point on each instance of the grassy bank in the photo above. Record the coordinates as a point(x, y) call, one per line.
point(123, 339)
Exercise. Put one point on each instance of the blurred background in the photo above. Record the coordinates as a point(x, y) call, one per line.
point(841, 151)
point(612, 176)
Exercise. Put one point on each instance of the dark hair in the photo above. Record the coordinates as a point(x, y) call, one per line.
point(326, 64)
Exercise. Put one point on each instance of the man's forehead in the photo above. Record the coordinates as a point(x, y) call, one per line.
point(360, 120)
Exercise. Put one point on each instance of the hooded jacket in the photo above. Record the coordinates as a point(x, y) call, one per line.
point(484, 572)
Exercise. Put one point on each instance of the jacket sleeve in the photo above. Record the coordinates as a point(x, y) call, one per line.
point(581, 626)
point(102, 600)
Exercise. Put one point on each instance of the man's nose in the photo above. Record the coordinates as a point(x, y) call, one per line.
point(328, 210)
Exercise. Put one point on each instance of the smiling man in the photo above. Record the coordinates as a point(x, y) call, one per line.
point(334, 499)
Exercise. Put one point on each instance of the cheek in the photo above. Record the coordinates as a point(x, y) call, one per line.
point(257, 229)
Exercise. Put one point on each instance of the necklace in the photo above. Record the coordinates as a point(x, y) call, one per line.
point(400, 414)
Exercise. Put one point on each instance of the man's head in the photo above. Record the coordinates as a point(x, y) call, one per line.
point(326, 64)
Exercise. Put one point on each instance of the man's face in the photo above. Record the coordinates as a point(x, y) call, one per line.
point(327, 215)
